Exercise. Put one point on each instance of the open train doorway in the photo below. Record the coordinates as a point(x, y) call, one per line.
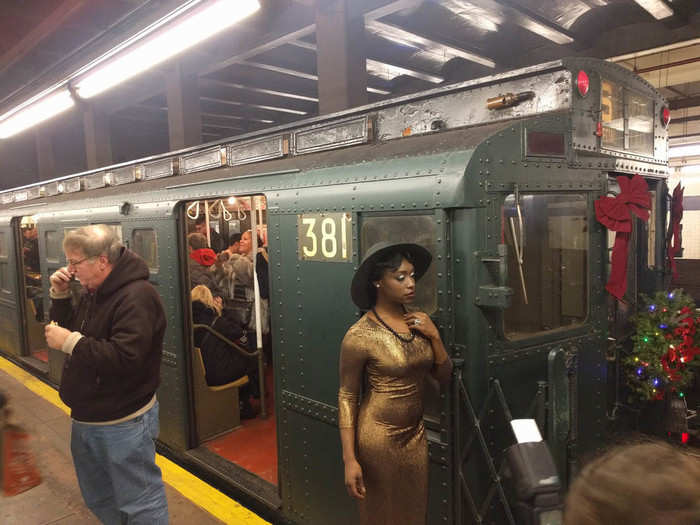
point(32, 294)
point(231, 357)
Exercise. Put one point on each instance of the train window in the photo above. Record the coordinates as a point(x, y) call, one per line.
point(3, 245)
point(627, 118)
point(419, 229)
point(640, 123)
point(549, 280)
point(143, 242)
point(613, 115)
point(53, 246)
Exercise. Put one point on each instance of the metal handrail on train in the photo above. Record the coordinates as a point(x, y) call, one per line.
point(238, 348)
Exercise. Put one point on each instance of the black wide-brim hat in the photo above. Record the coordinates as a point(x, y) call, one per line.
point(360, 287)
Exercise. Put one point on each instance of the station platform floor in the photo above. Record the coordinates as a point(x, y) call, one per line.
point(37, 408)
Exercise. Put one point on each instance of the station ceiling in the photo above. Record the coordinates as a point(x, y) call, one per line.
point(263, 72)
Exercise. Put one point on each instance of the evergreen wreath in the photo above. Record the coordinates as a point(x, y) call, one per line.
point(666, 342)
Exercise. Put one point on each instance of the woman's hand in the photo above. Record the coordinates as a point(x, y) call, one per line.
point(422, 323)
point(353, 479)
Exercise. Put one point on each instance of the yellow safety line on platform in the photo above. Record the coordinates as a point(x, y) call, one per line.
point(194, 489)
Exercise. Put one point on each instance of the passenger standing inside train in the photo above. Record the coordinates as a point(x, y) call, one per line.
point(390, 349)
point(201, 259)
point(216, 241)
point(113, 339)
point(244, 276)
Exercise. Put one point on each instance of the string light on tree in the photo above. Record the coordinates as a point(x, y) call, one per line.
point(662, 361)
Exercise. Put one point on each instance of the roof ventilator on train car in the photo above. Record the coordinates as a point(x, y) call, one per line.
point(509, 99)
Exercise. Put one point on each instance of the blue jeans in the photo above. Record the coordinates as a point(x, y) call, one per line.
point(117, 473)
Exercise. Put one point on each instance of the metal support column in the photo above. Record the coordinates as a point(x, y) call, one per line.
point(341, 57)
point(98, 141)
point(184, 117)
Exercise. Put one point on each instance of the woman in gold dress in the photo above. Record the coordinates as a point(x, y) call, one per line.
point(389, 351)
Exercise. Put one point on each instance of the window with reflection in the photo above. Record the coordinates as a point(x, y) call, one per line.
point(547, 238)
point(53, 246)
point(143, 242)
point(418, 229)
point(627, 118)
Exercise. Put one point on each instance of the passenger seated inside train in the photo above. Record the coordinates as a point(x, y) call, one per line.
point(222, 362)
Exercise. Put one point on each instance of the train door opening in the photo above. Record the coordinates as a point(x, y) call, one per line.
point(31, 294)
point(231, 359)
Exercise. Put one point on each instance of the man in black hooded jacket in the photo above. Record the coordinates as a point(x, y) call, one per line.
point(113, 339)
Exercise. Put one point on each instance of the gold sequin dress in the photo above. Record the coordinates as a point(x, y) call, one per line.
point(388, 422)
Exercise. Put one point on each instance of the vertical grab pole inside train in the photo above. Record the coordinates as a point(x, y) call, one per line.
point(206, 221)
point(256, 289)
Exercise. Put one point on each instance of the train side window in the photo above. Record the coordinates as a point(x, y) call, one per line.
point(53, 246)
point(143, 242)
point(550, 282)
point(419, 229)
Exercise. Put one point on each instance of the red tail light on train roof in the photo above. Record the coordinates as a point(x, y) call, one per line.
point(665, 116)
point(582, 83)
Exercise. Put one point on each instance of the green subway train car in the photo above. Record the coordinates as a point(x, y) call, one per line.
point(496, 176)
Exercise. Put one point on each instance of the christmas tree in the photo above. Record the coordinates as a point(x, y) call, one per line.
point(663, 361)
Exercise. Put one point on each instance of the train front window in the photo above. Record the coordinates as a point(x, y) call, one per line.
point(627, 118)
point(547, 240)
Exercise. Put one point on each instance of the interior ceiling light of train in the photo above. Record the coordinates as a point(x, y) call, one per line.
point(265, 69)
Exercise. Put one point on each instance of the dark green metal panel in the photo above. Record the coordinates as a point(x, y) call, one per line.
point(10, 316)
point(173, 392)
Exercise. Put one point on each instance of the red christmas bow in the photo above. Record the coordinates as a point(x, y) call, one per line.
point(615, 213)
point(674, 228)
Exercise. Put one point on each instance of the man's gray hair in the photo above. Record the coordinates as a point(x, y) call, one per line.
point(94, 240)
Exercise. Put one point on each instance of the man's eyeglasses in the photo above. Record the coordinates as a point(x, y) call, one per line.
point(75, 264)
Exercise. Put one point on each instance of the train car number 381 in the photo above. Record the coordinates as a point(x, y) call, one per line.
point(325, 237)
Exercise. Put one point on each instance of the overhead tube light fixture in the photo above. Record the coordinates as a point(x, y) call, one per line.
point(164, 42)
point(656, 8)
point(34, 112)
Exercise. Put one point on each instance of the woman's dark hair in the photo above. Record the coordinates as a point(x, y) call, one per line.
point(388, 262)
point(643, 484)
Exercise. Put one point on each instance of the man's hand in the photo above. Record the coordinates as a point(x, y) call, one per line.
point(55, 335)
point(60, 279)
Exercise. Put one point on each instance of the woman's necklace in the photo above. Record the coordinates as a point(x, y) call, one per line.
point(404, 339)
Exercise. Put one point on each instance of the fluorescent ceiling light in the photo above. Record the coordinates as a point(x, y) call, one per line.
point(169, 40)
point(442, 51)
point(378, 91)
point(656, 8)
point(689, 150)
point(28, 115)
point(390, 71)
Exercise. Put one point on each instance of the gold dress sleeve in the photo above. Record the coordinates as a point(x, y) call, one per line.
point(352, 365)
